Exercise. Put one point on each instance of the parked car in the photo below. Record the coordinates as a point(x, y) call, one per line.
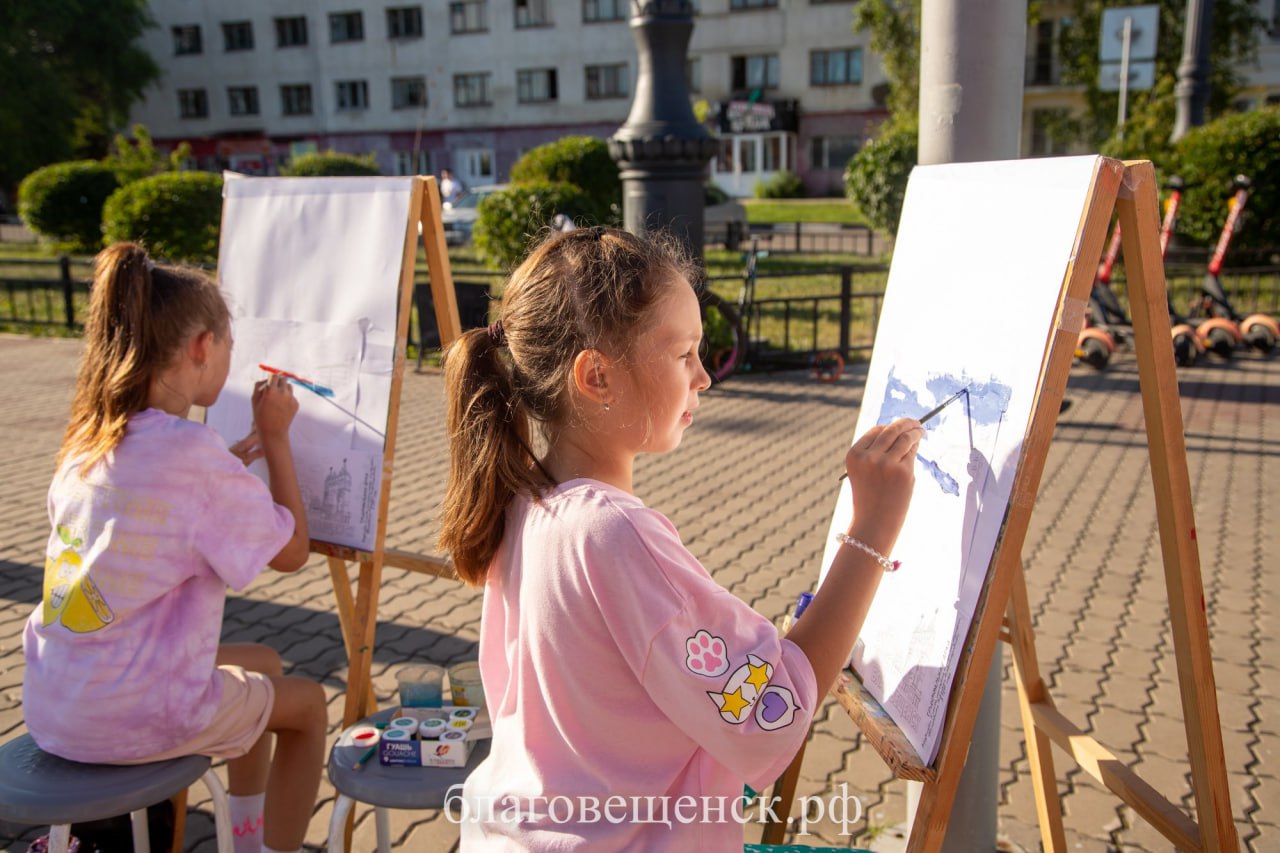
point(460, 217)
point(724, 220)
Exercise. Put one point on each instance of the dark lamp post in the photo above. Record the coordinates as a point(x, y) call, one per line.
point(661, 149)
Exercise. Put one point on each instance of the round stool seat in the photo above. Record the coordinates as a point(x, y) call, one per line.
point(39, 788)
point(395, 787)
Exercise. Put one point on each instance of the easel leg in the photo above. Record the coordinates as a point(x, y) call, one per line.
point(1031, 689)
point(783, 793)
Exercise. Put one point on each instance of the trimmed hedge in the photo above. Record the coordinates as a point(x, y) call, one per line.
point(332, 164)
point(876, 177)
point(177, 215)
point(781, 185)
point(63, 202)
point(511, 220)
point(1209, 157)
point(583, 161)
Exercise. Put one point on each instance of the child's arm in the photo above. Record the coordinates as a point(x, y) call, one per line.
point(273, 409)
point(881, 467)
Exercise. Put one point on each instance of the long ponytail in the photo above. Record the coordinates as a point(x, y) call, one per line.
point(140, 315)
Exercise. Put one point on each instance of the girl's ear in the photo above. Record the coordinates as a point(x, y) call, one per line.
point(201, 347)
point(591, 376)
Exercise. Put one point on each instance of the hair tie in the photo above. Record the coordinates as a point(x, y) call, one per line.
point(496, 334)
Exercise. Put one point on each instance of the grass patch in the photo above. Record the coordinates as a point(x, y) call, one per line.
point(803, 210)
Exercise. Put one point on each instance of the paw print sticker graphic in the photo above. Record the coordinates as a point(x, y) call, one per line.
point(707, 654)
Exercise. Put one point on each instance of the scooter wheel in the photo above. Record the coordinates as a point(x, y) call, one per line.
point(1220, 343)
point(1094, 353)
point(1184, 350)
point(1260, 338)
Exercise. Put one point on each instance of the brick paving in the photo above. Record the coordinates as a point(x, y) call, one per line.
point(751, 490)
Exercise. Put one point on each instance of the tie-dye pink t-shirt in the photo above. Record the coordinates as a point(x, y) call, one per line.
point(120, 651)
point(625, 685)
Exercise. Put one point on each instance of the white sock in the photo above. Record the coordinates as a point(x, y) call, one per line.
point(246, 822)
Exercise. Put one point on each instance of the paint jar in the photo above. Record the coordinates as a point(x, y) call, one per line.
point(465, 686)
point(421, 685)
point(431, 728)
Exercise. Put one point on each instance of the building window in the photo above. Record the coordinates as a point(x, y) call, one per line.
point(186, 40)
point(605, 10)
point(608, 81)
point(295, 99)
point(237, 35)
point(536, 85)
point(469, 16)
point(346, 26)
point(413, 162)
point(291, 32)
point(532, 13)
point(693, 74)
point(737, 5)
point(404, 22)
point(193, 103)
point(243, 100)
point(755, 72)
point(352, 95)
point(1040, 62)
point(471, 90)
point(832, 152)
point(835, 67)
point(408, 92)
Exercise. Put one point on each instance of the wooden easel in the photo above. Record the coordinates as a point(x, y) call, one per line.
point(1129, 189)
point(358, 614)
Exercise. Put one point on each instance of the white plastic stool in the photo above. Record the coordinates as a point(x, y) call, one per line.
point(39, 788)
point(387, 787)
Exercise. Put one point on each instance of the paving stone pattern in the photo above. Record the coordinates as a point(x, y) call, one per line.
point(751, 491)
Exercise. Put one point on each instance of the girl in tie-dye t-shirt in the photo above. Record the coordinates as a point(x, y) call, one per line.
point(152, 517)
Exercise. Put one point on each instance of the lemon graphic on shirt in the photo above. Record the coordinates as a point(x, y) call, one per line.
point(70, 594)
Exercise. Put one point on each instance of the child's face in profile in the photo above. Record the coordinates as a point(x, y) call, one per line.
point(665, 373)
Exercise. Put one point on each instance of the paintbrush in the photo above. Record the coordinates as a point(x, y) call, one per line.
point(932, 412)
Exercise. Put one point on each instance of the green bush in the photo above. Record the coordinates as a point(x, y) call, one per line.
point(331, 164)
point(63, 202)
point(1209, 157)
point(583, 161)
point(511, 219)
point(781, 185)
point(876, 177)
point(175, 214)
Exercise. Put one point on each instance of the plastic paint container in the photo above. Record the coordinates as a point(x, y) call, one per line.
point(403, 723)
point(431, 728)
point(463, 714)
point(397, 735)
point(459, 725)
point(365, 736)
point(453, 735)
point(421, 685)
point(465, 686)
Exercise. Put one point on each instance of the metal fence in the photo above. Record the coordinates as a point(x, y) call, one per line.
point(829, 308)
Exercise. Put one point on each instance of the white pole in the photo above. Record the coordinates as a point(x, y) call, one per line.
point(972, 68)
point(1124, 73)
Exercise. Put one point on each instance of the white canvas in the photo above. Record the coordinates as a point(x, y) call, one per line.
point(311, 268)
point(980, 261)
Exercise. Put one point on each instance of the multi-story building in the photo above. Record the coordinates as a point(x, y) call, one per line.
point(472, 84)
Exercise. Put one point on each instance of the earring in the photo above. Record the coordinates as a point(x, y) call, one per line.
point(606, 407)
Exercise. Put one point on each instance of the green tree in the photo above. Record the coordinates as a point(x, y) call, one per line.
point(1233, 44)
point(894, 30)
point(69, 71)
point(332, 164)
point(138, 158)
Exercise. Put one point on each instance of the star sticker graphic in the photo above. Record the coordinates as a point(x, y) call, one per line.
point(759, 676)
point(733, 702)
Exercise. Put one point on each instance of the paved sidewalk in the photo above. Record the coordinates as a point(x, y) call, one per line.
point(751, 490)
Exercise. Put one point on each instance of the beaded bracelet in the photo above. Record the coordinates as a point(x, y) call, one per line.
point(885, 563)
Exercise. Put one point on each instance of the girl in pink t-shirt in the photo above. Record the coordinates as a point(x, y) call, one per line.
point(631, 695)
point(153, 517)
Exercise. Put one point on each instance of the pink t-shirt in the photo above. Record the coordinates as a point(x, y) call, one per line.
point(120, 652)
point(615, 667)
